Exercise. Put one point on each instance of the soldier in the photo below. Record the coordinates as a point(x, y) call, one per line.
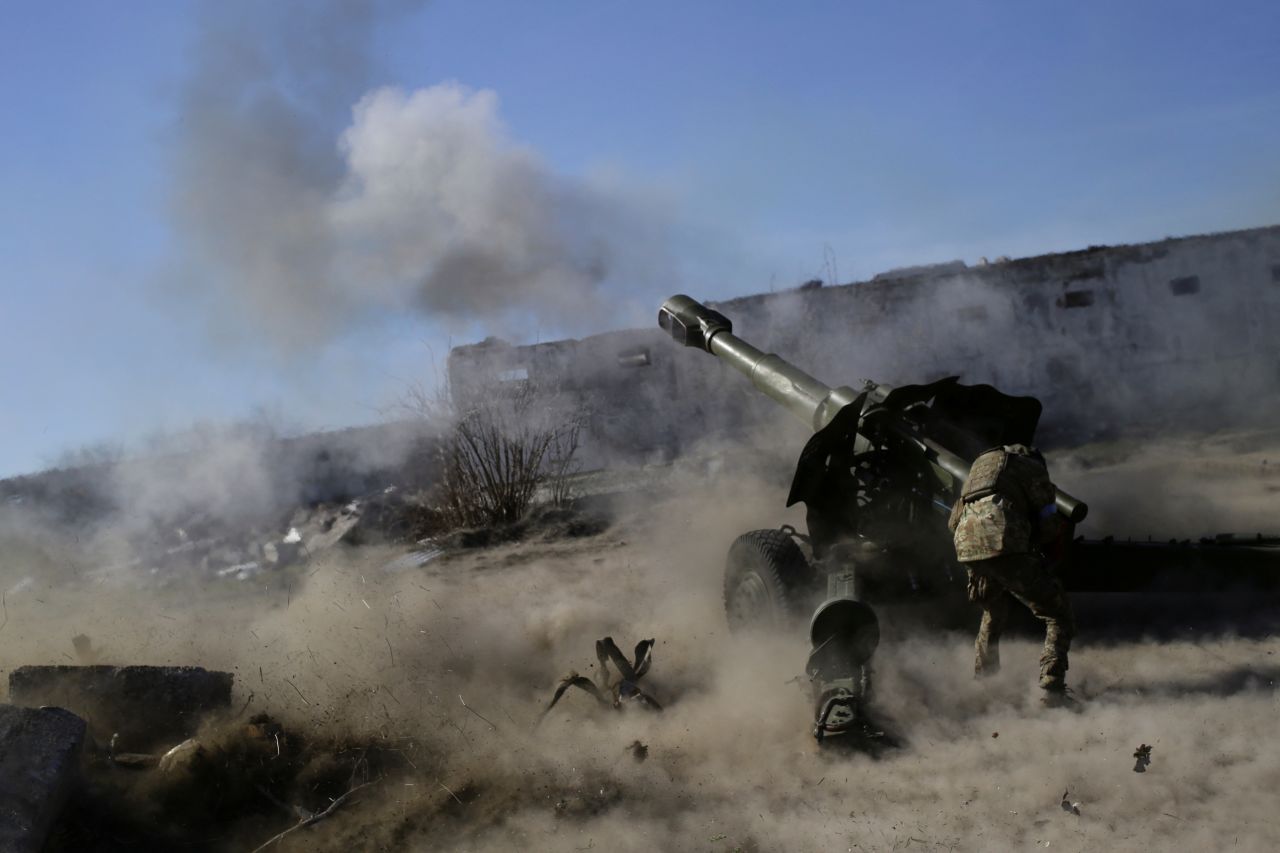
point(1005, 515)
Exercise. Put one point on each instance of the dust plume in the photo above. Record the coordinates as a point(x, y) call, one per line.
point(197, 500)
point(310, 201)
point(450, 665)
point(1146, 358)
point(1177, 487)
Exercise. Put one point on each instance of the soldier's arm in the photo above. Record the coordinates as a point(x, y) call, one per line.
point(1049, 525)
point(1041, 497)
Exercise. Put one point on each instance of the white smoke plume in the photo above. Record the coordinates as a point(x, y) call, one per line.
point(440, 209)
point(314, 201)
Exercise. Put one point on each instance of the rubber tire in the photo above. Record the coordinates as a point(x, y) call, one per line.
point(767, 582)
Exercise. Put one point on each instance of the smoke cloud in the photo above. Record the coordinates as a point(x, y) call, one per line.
point(315, 202)
point(443, 211)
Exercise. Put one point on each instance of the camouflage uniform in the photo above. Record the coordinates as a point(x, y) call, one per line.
point(1004, 514)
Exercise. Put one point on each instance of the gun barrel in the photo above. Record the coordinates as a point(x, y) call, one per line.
point(801, 394)
point(693, 324)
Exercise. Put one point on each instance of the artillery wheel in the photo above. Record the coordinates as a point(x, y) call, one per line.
point(766, 579)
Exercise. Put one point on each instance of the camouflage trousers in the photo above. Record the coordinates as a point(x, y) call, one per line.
point(995, 584)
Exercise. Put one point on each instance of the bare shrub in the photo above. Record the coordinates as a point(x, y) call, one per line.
point(562, 460)
point(500, 450)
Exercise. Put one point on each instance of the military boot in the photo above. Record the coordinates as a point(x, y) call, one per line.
point(1059, 696)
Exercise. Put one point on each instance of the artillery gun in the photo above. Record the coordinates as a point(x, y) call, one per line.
point(878, 479)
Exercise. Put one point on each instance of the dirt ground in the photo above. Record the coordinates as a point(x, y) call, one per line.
point(443, 670)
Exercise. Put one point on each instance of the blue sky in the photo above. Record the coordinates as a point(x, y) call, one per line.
point(884, 134)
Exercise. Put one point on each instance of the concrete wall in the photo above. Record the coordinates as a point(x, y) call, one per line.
point(623, 382)
point(1182, 331)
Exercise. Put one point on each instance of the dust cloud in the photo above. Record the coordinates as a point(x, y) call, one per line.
point(350, 648)
point(310, 200)
point(1177, 487)
point(209, 488)
point(1139, 364)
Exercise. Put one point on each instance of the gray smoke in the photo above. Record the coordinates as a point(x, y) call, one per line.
point(315, 201)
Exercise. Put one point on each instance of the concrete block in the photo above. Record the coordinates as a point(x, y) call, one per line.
point(148, 706)
point(39, 764)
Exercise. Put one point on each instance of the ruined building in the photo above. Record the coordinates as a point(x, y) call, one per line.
point(1113, 339)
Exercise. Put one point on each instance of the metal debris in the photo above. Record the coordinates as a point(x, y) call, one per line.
point(1067, 805)
point(313, 818)
point(183, 758)
point(241, 571)
point(620, 690)
point(415, 559)
point(135, 760)
point(283, 553)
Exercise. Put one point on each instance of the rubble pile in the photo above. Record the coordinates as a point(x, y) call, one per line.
point(152, 758)
point(197, 548)
point(237, 785)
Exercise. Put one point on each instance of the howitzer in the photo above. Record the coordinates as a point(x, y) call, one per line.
point(878, 478)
